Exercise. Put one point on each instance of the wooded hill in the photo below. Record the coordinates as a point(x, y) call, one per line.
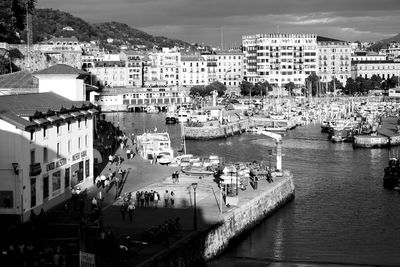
point(49, 22)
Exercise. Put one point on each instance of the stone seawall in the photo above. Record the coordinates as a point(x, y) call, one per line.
point(214, 132)
point(206, 245)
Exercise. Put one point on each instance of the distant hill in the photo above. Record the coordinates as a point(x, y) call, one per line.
point(49, 22)
point(384, 43)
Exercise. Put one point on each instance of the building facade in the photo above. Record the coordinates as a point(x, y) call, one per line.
point(334, 60)
point(383, 68)
point(193, 71)
point(46, 148)
point(279, 58)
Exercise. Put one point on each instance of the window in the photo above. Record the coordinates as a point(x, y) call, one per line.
point(69, 146)
point(58, 128)
point(86, 140)
point(85, 122)
point(44, 132)
point(33, 192)
point(87, 168)
point(58, 149)
point(79, 123)
point(32, 134)
point(45, 187)
point(45, 155)
point(32, 156)
point(56, 183)
point(67, 178)
point(79, 143)
point(6, 199)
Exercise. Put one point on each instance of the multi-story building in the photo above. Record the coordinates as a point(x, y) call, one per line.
point(212, 64)
point(46, 147)
point(193, 71)
point(230, 68)
point(168, 64)
point(135, 65)
point(367, 56)
point(111, 73)
point(393, 50)
point(334, 59)
point(382, 68)
point(279, 58)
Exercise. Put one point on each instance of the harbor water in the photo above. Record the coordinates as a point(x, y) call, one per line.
point(341, 214)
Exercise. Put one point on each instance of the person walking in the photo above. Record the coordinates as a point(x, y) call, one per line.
point(156, 198)
point(131, 209)
point(94, 203)
point(123, 211)
point(172, 198)
point(166, 198)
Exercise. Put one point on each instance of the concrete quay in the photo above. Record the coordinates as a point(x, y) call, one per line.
point(387, 136)
point(215, 230)
point(187, 247)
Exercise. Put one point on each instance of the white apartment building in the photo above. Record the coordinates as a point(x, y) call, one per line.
point(230, 68)
point(134, 64)
point(334, 60)
point(279, 58)
point(393, 50)
point(382, 68)
point(111, 73)
point(167, 66)
point(193, 71)
point(212, 64)
point(46, 147)
point(367, 56)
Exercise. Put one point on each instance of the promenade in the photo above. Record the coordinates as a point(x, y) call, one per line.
point(62, 224)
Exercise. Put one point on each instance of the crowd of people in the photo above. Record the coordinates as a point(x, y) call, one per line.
point(32, 254)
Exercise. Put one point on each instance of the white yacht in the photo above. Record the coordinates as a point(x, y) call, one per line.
point(155, 147)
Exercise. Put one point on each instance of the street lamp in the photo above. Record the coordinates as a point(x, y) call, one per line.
point(194, 185)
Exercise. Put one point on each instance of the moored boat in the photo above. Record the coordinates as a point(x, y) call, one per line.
point(391, 178)
point(171, 118)
point(154, 146)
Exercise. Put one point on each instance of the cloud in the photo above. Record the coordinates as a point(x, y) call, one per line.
point(201, 20)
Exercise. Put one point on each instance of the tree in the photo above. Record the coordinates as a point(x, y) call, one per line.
point(217, 86)
point(312, 81)
point(351, 86)
point(337, 85)
point(198, 90)
point(289, 87)
point(245, 88)
point(7, 58)
point(12, 18)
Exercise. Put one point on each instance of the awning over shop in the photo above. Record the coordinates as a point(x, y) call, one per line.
point(54, 118)
point(65, 116)
point(76, 114)
point(41, 121)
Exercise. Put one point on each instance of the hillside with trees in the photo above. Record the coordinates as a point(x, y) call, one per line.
point(49, 22)
point(384, 43)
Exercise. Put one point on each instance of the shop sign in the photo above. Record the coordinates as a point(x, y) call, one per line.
point(83, 154)
point(35, 169)
point(50, 166)
point(76, 156)
point(61, 162)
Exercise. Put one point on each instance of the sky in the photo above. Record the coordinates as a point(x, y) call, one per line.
point(214, 22)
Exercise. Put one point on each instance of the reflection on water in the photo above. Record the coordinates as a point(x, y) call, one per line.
point(341, 213)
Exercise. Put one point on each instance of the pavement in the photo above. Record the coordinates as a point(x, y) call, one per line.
point(63, 222)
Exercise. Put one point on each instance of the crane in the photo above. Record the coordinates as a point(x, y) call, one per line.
point(278, 142)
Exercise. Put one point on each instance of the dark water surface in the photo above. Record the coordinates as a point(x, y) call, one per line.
point(341, 214)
